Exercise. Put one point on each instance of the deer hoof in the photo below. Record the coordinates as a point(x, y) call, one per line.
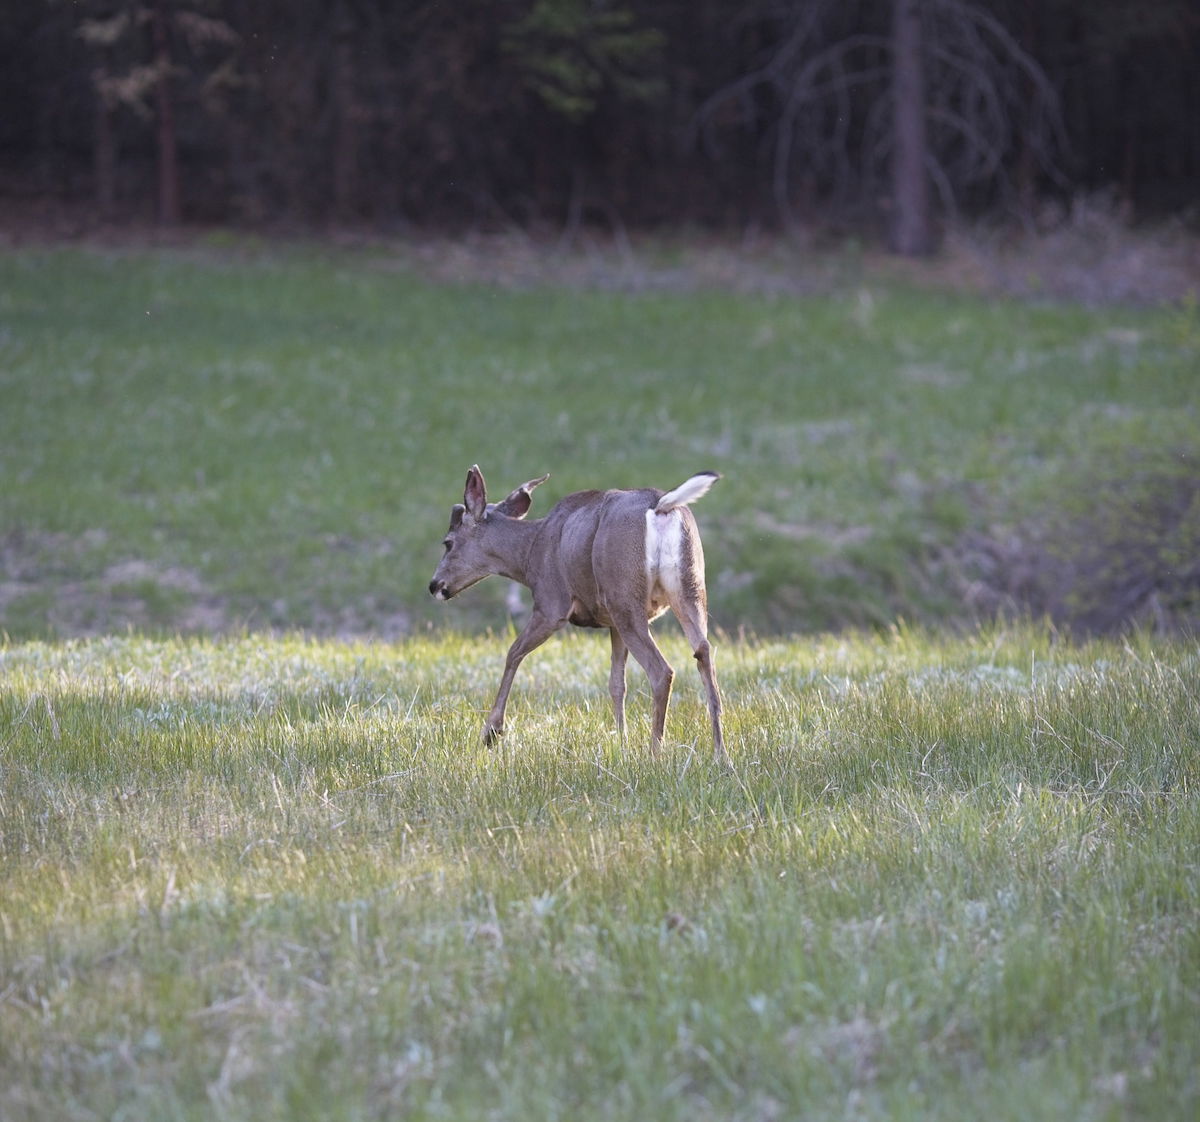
point(492, 733)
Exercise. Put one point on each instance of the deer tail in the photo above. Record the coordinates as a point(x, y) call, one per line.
point(687, 492)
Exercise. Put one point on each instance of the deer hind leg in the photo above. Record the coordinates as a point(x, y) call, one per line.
point(616, 679)
point(693, 618)
point(635, 635)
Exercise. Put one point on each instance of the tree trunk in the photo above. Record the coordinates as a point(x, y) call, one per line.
point(168, 158)
point(345, 116)
point(912, 234)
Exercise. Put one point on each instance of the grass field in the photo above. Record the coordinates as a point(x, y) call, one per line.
point(255, 864)
point(279, 879)
point(225, 438)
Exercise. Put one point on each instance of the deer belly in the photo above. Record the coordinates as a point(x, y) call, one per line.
point(583, 615)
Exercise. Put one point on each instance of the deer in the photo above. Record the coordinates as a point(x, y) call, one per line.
point(599, 559)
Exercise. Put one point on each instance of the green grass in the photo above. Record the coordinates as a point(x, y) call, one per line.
point(280, 879)
point(272, 439)
point(249, 872)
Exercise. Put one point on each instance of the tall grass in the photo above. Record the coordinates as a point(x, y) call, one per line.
point(252, 878)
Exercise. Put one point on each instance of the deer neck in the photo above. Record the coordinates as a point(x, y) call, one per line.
point(513, 549)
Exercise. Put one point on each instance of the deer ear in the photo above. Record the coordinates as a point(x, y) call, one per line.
point(475, 494)
point(518, 503)
point(456, 515)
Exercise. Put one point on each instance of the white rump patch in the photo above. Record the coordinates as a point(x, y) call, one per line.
point(664, 558)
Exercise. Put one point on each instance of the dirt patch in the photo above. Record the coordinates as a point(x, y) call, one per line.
point(57, 583)
point(1087, 254)
point(1086, 251)
point(823, 533)
point(1119, 547)
point(64, 585)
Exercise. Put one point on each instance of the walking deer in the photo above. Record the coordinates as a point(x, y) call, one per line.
point(614, 559)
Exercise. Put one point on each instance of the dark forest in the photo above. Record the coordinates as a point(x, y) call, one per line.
point(878, 115)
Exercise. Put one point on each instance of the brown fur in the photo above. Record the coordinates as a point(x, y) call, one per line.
point(585, 563)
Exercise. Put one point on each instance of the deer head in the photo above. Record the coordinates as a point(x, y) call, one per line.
point(478, 543)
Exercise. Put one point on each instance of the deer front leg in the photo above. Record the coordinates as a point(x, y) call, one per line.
point(537, 631)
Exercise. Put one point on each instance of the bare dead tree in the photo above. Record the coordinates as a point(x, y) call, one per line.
point(990, 105)
point(798, 98)
point(823, 102)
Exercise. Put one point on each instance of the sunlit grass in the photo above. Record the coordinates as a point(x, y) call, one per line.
point(280, 878)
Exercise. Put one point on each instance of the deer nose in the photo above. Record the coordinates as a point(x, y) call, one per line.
point(434, 585)
point(438, 589)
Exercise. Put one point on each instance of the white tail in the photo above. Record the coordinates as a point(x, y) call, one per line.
point(613, 559)
point(687, 492)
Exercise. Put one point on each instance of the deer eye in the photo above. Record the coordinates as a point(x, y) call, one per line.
point(447, 545)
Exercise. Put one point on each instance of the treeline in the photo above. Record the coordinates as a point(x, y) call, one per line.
point(625, 112)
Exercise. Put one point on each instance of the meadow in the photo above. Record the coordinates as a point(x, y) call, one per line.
point(236, 436)
point(280, 879)
point(255, 863)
